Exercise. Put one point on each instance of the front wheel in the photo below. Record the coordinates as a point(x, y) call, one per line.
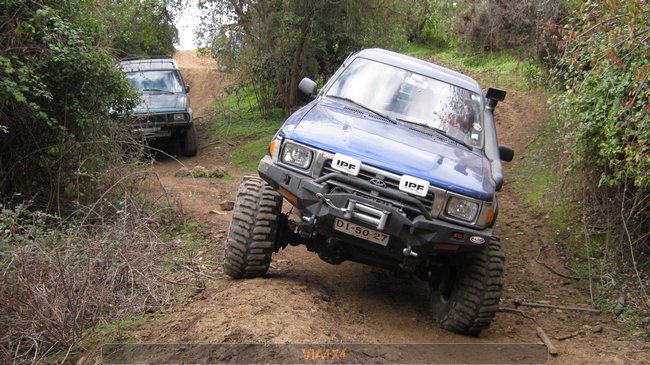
point(189, 144)
point(465, 296)
point(253, 229)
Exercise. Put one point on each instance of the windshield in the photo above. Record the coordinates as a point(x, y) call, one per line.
point(409, 97)
point(155, 81)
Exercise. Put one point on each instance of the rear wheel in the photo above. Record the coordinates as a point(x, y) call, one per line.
point(189, 146)
point(466, 296)
point(253, 230)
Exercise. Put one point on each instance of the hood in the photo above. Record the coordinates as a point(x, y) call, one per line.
point(400, 149)
point(161, 103)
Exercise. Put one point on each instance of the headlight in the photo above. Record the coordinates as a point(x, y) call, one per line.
point(296, 155)
point(462, 208)
point(179, 117)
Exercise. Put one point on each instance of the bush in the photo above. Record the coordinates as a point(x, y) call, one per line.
point(60, 280)
point(604, 72)
point(56, 88)
point(494, 25)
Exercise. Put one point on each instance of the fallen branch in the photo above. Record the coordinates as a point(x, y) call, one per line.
point(517, 303)
point(198, 272)
point(570, 335)
point(512, 310)
point(551, 269)
point(547, 341)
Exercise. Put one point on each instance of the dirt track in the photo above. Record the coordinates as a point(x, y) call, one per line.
point(305, 300)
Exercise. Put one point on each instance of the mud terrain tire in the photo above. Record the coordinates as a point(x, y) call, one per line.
point(467, 300)
point(253, 230)
point(188, 141)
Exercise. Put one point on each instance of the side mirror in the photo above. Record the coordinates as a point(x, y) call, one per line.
point(187, 88)
point(506, 153)
point(307, 87)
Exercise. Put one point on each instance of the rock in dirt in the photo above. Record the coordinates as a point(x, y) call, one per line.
point(200, 171)
point(227, 205)
point(217, 172)
point(620, 305)
point(183, 172)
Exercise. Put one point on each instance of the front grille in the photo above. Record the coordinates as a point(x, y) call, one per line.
point(409, 209)
point(157, 118)
point(154, 118)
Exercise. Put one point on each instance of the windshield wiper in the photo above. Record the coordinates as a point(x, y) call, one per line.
point(388, 118)
point(439, 131)
point(455, 139)
point(158, 91)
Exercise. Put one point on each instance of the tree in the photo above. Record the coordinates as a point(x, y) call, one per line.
point(139, 27)
point(56, 87)
point(509, 24)
point(58, 79)
point(276, 42)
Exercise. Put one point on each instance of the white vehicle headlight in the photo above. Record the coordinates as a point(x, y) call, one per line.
point(296, 155)
point(463, 209)
point(179, 117)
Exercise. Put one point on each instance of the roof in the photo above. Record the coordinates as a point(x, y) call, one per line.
point(147, 64)
point(422, 67)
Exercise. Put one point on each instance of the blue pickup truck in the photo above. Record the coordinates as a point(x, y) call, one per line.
point(395, 163)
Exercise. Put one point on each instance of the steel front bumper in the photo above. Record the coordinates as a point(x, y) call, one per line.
point(322, 210)
point(154, 129)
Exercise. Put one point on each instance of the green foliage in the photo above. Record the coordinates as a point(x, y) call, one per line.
point(56, 88)
point(57, 81)
point(437, 31)
point(249, 155)
point(541, 181)
point(605, 70)
point(139, 27)
point(499, 69)
point(239, 120)
point(187, 227)
point(604, 73)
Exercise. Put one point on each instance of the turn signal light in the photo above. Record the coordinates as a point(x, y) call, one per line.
point(290, 197)
point(490, 217)
point(445, 247)
point(272, 147)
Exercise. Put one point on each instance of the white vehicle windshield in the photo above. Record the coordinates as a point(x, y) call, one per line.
point(412, 98)
point(155, 81)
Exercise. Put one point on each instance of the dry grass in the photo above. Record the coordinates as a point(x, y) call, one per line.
point(60, 278)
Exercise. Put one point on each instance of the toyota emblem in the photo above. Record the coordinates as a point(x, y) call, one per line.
point(378, 182)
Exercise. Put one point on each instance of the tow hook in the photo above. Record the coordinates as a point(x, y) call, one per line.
point(409, 253)
point(329, 203)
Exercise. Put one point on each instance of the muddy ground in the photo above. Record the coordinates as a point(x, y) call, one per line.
point(305, 300)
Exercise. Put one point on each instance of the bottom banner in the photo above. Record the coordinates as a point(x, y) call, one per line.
point(230, 353)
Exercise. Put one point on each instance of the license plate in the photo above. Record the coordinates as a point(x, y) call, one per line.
point(361, 232)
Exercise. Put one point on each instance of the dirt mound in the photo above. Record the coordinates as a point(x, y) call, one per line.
point(205, 80)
